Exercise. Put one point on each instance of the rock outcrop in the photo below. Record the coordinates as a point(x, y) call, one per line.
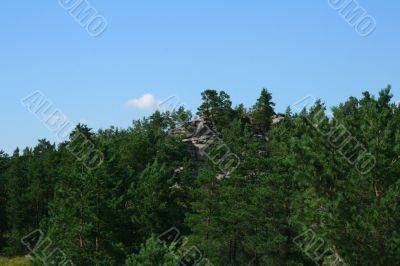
point(199, 133)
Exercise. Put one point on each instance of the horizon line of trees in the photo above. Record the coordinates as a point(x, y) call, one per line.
point(290, 181)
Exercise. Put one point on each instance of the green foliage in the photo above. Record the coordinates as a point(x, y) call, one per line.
point(153, 253)
point(216, 106)
point(263, 111)
point(334, 175)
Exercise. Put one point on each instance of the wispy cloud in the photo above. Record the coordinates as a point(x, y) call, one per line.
point(146, 102)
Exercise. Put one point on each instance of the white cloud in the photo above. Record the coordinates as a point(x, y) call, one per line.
point(147, 102)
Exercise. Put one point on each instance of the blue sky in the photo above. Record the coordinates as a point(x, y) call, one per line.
point(293, 48)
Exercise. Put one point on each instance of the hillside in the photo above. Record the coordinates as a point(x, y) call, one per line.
point(232, 185)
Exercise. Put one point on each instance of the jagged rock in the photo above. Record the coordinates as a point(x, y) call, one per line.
point(201, 132)
point(277, 118)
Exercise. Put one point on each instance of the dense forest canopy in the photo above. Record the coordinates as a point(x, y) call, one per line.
point(237, 186)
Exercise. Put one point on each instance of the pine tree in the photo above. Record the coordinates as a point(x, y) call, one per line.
point(217, 107)
point(4, 160)
point(83, 208)
point(205, 208)
point(18, 203)
point(262, 112)
point(313, 188)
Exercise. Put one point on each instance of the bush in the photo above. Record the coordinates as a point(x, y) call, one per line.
point(153, 253)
